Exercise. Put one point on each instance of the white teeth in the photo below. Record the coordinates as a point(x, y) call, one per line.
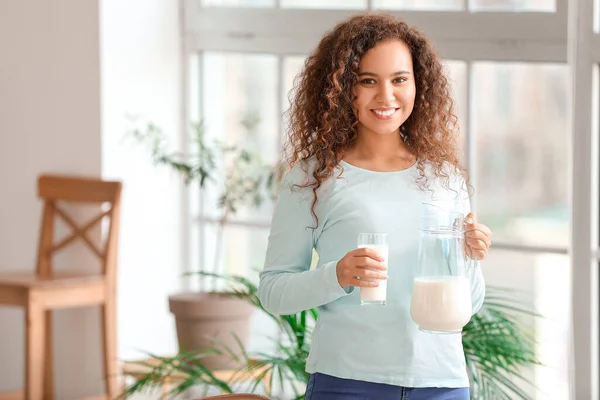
point(385, 113)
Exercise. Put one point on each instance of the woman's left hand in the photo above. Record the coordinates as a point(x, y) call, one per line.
point(478, 238)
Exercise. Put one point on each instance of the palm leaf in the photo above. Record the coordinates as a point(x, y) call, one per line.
point(496, 347)
point(185, 365)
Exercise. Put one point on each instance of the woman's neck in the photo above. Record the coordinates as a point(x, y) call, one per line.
point(380, 152)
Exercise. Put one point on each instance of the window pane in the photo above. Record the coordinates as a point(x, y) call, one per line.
point(520, 120)
point(239, 98)
point(324, 4)
point(292, 66)
point(241, 249)
point(457, 74)
point(239, 3)
point(433, 5)
point(545, 282)
point(513, 5)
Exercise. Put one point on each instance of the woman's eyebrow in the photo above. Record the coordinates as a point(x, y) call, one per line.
point(401, 72)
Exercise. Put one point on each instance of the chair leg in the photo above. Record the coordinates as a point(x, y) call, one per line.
point(34, 351)
point(109, 333)
point(49, 359)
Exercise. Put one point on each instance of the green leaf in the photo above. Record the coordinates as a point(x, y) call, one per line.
point(497, 347)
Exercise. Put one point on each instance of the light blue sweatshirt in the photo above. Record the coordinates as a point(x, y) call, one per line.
point(369, 343)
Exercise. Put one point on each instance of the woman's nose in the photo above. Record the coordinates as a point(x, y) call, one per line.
point(386, 94)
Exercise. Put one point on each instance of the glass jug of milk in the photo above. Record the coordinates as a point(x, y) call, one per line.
point(441, 297)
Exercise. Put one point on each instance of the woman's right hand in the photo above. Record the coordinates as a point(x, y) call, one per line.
point(362, 267)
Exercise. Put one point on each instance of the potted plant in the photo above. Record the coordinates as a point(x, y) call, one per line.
point(246, 181)
point(496, 349)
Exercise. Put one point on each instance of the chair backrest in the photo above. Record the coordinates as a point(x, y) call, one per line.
point(236, 397)
point(61, 188)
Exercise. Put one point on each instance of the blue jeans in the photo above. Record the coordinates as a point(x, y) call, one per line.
point(326, 387)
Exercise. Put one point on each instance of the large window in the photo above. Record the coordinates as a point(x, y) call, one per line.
point(527, 101)
point(522, 169)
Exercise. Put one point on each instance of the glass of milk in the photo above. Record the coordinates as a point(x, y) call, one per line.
point(377, 241)
point(441, 296)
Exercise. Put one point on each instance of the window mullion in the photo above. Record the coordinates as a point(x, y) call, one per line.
point(530, 249)
point(595, 168)
point(460, 49)
point(184, 143)
point(562, 8)
point(470, 142)
point(595, 48)
point(580, 35)
point(201, 196)
point(236, 222)
point(280, 103)
point(457, 25)
point(597, 16)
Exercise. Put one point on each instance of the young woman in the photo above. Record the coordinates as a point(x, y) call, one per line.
point(372, 137)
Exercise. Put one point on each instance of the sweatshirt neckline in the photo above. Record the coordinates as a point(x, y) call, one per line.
point(346, 164)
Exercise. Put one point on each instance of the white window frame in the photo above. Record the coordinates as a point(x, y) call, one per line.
point(583, 59)
point(565, 36)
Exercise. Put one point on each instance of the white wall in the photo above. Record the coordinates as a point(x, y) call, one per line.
point(70, 71)
point(49, 121)
point(141, 63)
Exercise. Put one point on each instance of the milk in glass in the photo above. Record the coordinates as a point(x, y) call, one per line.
point(378, 294)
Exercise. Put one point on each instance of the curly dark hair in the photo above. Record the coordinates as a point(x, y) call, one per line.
point(322, 121)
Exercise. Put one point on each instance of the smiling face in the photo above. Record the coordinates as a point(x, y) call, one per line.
point(385, 91)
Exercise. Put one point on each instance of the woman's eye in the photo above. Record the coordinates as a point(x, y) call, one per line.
point(400, 80)
point(368, 81)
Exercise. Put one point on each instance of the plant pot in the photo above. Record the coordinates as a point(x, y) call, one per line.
point(202, 316)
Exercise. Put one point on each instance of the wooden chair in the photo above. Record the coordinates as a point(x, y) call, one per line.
point(44, 290)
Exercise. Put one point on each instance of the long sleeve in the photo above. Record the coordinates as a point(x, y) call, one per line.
point(476, 275)
point(287, 286)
